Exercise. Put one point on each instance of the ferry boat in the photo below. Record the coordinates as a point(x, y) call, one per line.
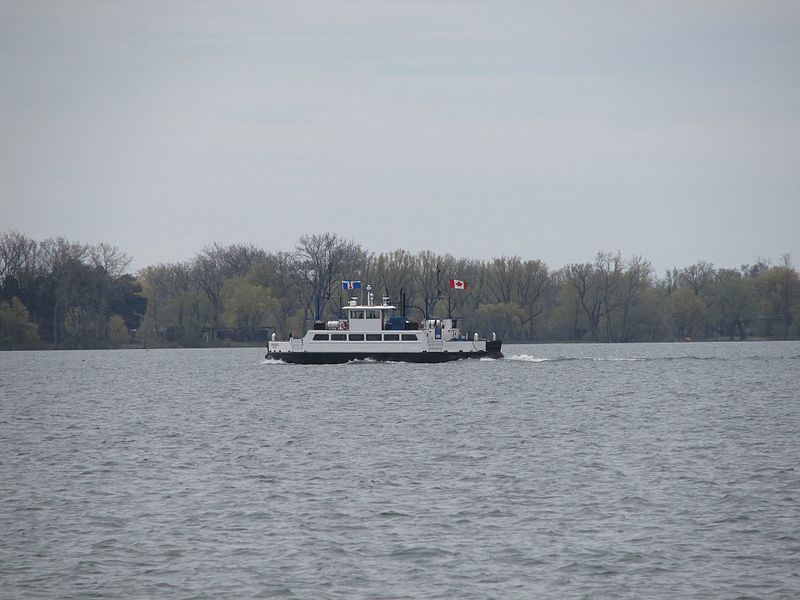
point(372, 331)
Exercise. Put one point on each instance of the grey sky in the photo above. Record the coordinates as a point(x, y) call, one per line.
point(548, 130)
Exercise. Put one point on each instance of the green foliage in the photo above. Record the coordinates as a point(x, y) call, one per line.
point(685, 312)
point(247, 306)
point(501, 318)
point(734, 305)
point(567, 320)
point(118, 334)
point(779, 293)
point(17, 332)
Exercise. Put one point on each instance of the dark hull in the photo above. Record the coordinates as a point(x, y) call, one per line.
point(335, 358)
point(493, 349)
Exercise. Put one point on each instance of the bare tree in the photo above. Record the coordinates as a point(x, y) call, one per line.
point(583, 279)
point(62, 258)
point(532, 282)
point(431, 274)
point(109, 258)
point(325, 259)
point(237, 260)
point(475, 274)
point(635, 280)
point(699, 277)
point(502, 272)
point(394, 273)
point(280, 274)
point(608, 267)
point(20, 257)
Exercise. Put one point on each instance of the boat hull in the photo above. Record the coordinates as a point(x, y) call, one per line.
point(334, 358)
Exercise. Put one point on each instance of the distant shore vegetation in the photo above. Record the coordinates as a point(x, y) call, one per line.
point(59, 294)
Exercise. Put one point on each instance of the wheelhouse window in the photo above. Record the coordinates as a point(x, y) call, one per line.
point(356, 314)
point(392, 337)
point(320, 337)
point(373, 314)
point(356, 337)
point(410, 337)
point(373, 337)
point(338, 337)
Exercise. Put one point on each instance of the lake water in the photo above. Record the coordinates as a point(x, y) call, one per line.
point(562, 471)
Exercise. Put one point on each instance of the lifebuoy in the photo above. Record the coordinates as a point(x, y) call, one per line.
point(344, 325)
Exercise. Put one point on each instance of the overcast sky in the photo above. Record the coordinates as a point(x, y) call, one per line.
point(547, 130)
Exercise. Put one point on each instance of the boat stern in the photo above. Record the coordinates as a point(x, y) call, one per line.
point(493, 348)
point(276, 349)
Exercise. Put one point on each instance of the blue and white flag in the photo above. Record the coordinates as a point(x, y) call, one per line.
point(351, 285)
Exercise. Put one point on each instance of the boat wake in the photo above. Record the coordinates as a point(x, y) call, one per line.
point(541, 359)
point(272, 361)
point(528, 358)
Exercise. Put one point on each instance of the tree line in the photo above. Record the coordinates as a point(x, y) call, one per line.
point(60, 294)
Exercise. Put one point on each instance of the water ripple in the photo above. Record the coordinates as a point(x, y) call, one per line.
point(642, 471)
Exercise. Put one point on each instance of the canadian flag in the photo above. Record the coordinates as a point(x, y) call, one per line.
point(457, 284)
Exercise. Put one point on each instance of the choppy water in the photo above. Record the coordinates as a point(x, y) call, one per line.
point(638, 471)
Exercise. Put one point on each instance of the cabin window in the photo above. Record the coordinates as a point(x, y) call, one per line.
point(338, 337)
point(356, 314)
point(356, 337)
point(392, 337)
point(373, 314)
point(373, 337)
point(409, 337)
point(320, 337)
